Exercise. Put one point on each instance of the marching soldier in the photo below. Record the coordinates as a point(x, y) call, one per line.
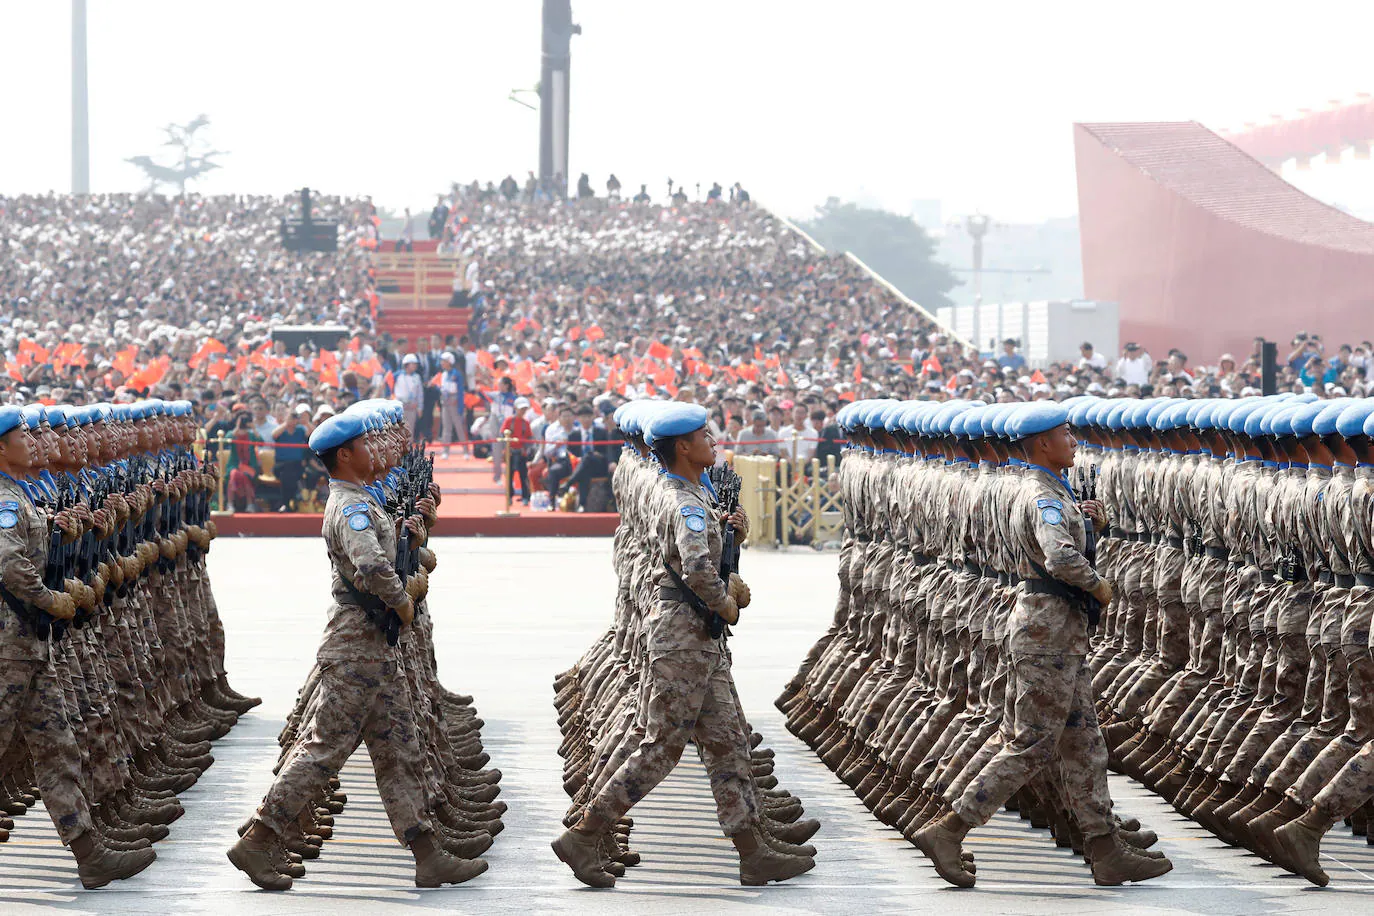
point(363, 691)
point(659, 676)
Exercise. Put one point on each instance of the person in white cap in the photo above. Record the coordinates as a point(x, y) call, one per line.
point(452, 388)
point(410, 390)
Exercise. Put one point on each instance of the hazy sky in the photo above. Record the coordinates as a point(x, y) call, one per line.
point(889, 100)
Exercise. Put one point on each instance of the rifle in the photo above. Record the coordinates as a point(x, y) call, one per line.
point(54, 577)
point(727, 486)
point(417, 472)
point(1089, 490)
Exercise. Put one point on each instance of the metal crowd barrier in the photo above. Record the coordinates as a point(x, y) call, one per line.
point(789, 502)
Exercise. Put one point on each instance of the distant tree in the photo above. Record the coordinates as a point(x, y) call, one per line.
point(893, 245)
point(193, 159)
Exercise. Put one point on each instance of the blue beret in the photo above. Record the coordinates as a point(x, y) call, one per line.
point(33, 415)
point(1280, 422)
point(1303, 417)
point(57, 416)
point(337, 430)
point(1038, 417)
point(1078, 414)
point(1002, 426)
point(1204, 418)
point(1140, 414)
point(1098, 412)
point(675, 419)
point(1369, 425)
point(1351, 421)
point(911, 415)
point(1241, 412)
point(1221, 414)
point(1157, 408)
point(1173, 417)
point(973, 421)
point(1253, 422)
point(1325, 422)
point(892, 416)
point(1119, 410)
point(1306, 397)
point(10, 419)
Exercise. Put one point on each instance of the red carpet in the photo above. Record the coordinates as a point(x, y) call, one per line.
point(470, 506)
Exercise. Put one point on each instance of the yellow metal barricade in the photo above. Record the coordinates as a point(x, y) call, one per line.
point(758, 496)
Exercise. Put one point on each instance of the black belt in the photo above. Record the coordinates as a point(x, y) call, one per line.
point(1218, 553)
point(1325, 577)
point(671, 593)
point(1267, 576)
point(1176, 543)
point(1365, 579)
point(921, 559)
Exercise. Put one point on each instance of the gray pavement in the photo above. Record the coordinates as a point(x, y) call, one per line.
point(511, 613)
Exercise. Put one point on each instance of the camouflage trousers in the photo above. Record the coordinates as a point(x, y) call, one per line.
point(356, 701)
point(690, 694)
point(31, 701)
point(1055, 722)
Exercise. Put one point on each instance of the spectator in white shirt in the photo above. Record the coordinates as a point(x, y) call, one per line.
point(758, 439)
point(800, 424)
point(410, 390)
point(1090, 358)
point(1134, 365)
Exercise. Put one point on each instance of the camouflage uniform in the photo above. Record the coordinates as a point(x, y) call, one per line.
point(362, 691)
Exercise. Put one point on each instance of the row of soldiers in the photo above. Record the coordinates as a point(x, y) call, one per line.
point(375, 680)
point(1230, 665)
point(660, 674)
point(112, 680)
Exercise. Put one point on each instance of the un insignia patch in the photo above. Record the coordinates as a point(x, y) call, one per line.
point(1051, 516)
point(9, 518)
point(696, 523)
point(360, 521)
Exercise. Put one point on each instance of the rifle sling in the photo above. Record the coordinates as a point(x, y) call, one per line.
point(685, 594)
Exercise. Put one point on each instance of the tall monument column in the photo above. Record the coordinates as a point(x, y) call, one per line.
point(554, 63)
point(81, 128)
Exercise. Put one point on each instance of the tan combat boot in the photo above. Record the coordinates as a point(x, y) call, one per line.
point(760, 863)
point(942, 842)
point(1298, 845)
point(255, 859)
point(1115, 863)
point(435, 868)
point(582, 853)
point(98, 865)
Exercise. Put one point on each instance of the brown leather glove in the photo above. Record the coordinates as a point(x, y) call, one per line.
point(63, 607)
point(167, 548)
point(417, 587)
point(212, 529)
point(406, 611)
point(428, 560)
point(739, 591)
point(730, 612)
point(1103, 593)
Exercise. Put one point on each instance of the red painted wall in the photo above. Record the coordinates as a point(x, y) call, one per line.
point(1186, 278)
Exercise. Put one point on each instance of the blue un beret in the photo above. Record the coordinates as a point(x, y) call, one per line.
point(1039, 417)
point(1351, 421)
point(337, 430)
point(675, 419)
point(1303, 417)
point(10, 419)
point(1325, 423)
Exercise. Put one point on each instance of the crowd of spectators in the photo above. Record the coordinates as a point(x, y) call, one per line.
point(577, 305)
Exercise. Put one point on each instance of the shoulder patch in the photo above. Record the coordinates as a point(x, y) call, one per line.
point(693, 510)
point(8, 518)
point(1051, 516)
point(696, 523)
point(360, 521)
point(10, 504)
point(354, 508)
point(1048, 503)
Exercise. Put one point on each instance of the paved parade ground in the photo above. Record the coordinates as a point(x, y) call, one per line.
point(511, 613)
